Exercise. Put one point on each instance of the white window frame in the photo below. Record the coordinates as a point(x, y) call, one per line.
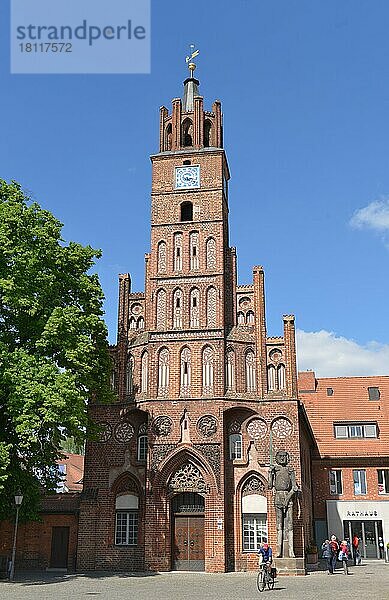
point(336, 482)
point(355, 431)
point(142, 447)
point(254, 531)
point(126, 528)
point(126, 520)
point(383, 474)
point(235, 446)
point(361, 483)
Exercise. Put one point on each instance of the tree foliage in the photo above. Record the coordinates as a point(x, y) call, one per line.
point(53, 345)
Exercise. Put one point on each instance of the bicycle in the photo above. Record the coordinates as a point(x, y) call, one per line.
point(265, 577)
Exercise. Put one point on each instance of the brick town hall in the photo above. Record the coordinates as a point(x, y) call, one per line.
point(178, 478)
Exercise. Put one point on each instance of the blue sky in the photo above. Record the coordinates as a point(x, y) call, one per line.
point(305, 93)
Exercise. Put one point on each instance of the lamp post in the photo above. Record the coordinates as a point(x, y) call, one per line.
point(18, 501)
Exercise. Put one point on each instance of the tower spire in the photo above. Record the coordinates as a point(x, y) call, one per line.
point(191, 84)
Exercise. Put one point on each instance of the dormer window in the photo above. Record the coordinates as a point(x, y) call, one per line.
point(374, 393)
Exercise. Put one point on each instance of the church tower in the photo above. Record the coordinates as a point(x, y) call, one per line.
point(178, 476)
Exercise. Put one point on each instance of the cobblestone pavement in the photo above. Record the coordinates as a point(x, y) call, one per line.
point(370, 580)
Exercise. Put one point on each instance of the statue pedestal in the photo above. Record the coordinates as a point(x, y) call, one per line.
point(290, 566)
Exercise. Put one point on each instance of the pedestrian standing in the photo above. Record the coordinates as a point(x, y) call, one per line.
point(356, 553)
point(327, 554)
point(335, 549)
point(343, 555)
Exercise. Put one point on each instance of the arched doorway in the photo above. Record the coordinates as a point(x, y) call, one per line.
point(187, 517)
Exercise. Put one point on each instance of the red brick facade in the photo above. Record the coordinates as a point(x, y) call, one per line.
point(36, 540)
point(194, 367)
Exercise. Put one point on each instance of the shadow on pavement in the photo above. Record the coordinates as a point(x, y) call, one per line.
point(43, 578)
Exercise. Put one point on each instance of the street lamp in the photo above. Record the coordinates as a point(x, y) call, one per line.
point(18, 501)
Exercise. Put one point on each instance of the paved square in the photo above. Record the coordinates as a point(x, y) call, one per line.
point(370, 580)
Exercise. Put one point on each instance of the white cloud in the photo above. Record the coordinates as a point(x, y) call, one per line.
point(373, 216)
point(332, 356)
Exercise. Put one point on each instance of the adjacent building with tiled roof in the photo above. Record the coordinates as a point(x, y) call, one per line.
point(349, 417)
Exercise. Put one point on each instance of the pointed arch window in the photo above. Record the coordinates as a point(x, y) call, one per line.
point(207, 133)
point(144, 372)
point(211, 253)
point(250, 371)
point(187, 133)
point(161, 257)
point(271, 378)
point(161, 309)
point(194, 302)
point(254, 515)
point(185, 372)
point(177, 309)
point(230, 370)
point(140, 323)
point(211, 307)
point(168, 137)
point(240, 318)
point(142, 444)
point(208, 370)
point(130, 375)
point(250, 318)
point(194, 250)
point(163, 372)
point(132, 323)
point(178, 251)
point(281, 377)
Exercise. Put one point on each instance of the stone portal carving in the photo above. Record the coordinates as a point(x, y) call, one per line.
point(283, 479)
point(188, 479)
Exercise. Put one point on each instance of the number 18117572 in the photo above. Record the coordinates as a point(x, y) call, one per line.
point(45, 47)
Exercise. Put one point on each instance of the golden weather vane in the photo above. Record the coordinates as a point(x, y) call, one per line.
point(189, 59)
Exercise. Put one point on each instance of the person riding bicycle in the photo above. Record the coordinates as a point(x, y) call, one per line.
point(266, 574)
point(265, 554)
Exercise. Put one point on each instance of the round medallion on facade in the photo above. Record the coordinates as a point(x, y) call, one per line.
point(244, 302)
point(275, 355)
point(282, 427)
point(124, 432)
point(257, 429)
point(136, 309)
point(105, 432)
point(207, 425)
point(162, 426)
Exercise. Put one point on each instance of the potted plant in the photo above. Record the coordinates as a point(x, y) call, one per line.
point(311, 553)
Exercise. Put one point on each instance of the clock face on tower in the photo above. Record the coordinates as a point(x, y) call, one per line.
point(187, 177)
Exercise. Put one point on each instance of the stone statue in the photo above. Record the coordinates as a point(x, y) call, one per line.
point(283, 479)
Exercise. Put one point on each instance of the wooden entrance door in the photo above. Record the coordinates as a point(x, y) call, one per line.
point(59, 548)
point(188, 543)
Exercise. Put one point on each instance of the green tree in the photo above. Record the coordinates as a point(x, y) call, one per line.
point(53, 346)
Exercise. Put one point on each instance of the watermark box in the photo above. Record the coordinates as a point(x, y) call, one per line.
point(80, 36)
